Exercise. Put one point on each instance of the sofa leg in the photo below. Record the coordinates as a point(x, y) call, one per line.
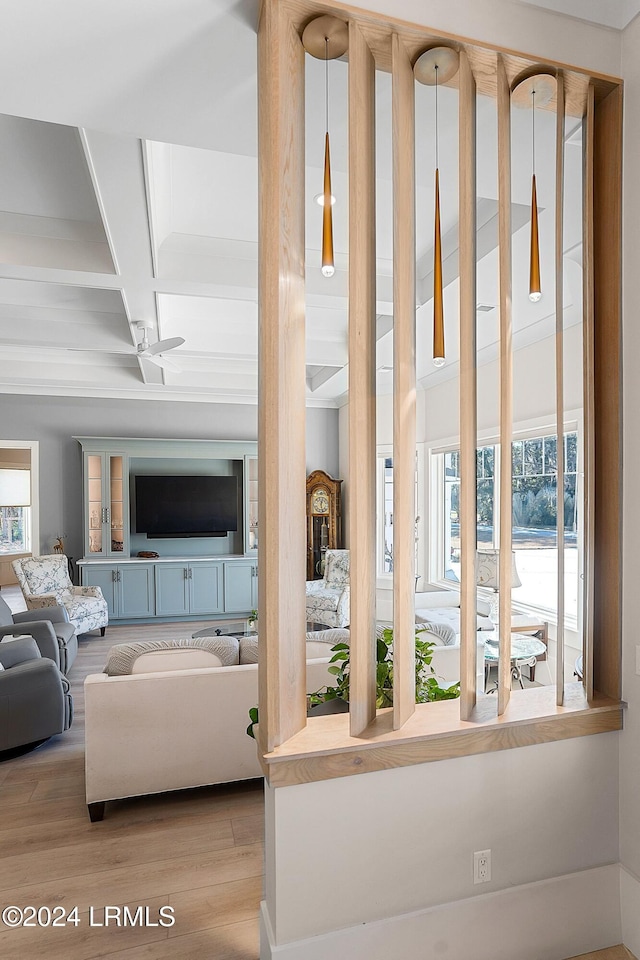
point(102, 630)
point(96, 811)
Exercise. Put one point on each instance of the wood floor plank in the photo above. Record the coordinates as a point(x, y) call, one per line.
point(216, 906)
point(248, 829)
point(107, 852)
point(15, 794)
point(237, 941)
point(55, 788)
point(126, 883)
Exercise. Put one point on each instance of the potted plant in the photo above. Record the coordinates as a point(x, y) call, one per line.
point(427, 687)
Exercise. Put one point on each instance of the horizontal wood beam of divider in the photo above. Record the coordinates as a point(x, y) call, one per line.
point(281, 388)
point(589, 412)
point(468, 387)
point(362, 382)
point(505, 377)
point(560, 383)
point(404, 383)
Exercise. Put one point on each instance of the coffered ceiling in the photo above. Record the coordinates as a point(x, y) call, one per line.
point(99, 230)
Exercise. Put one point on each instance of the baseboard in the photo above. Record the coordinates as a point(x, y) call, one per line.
point(630, 910)
point(546, 920)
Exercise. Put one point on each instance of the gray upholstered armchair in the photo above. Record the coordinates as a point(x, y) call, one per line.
point(45, 582)
point(328, 599)
point(35, 702)
point(49, 627)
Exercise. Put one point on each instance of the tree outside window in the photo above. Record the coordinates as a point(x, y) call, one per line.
point(534, 500)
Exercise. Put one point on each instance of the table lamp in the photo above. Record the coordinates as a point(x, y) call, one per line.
point(488, 575)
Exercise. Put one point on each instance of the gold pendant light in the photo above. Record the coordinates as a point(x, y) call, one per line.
point(326, 38)
point(534, 91)
point(438, 311)
point(535, 291)
point(435, 66)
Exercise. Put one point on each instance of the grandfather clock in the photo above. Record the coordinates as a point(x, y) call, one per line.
point(324, 520)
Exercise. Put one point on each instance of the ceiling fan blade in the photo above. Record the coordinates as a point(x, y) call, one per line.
point(163, 345)
point(164, 362)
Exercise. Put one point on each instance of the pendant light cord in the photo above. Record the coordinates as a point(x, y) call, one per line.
point(533, 132)
point(436, 137)
point(326, 83)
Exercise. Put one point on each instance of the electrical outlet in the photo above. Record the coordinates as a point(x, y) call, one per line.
point(482, 866)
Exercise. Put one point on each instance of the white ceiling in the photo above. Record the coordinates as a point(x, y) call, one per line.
point(99, 230)
point(609, 13)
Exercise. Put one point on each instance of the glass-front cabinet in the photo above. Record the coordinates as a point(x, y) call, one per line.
point(106, 504)
point(251, 505)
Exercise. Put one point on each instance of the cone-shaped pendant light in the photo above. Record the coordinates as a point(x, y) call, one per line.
point(328, 267)
point(326, 38)
point(536, 90)
point(438, 312)
point(534, 262)
point(435, 66)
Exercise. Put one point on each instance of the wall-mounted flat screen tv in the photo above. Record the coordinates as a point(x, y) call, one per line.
point(201, 506)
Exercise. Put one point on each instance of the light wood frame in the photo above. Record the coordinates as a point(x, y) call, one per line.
point(285, 737)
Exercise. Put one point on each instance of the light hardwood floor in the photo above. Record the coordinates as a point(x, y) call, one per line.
point(198, 851)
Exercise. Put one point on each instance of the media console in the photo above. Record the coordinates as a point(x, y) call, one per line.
point(193, 577)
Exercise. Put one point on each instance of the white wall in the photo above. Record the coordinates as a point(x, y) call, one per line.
point(395, 841)
point(630, 738)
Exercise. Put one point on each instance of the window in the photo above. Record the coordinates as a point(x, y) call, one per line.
point(15, 510)
point(385, 515)
point(534, 469)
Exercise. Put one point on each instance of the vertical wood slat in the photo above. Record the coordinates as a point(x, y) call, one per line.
point(607, 351)
point(362, 381)
point(468, 387)
point(560, 382)
point(505, 377)
point(281, 388)
point(404, 383)
point(589, 408)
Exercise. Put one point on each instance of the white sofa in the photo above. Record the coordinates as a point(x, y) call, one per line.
point(177, 720)
point(443, 607)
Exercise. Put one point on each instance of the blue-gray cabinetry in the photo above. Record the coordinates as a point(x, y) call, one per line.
point(240, 586)
point(127, 588)
point(188, 588)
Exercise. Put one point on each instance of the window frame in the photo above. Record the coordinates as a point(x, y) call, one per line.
point(34, 518)
point(523, 430)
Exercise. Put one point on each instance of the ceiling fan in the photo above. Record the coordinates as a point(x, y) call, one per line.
point(155, 351)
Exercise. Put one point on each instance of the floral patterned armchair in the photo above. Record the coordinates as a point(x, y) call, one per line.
point(45, 582)
point(328, 599)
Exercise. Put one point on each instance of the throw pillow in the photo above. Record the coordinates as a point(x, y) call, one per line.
point(123, 657)
point(248, 649)
point(438, 633)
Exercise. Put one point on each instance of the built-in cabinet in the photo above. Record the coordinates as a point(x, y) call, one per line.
point(139, 589)
point(191, 583)
point(240, 586)
point(106, 504)
point(127, 588)
point(188, 588)
point(251, 505)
